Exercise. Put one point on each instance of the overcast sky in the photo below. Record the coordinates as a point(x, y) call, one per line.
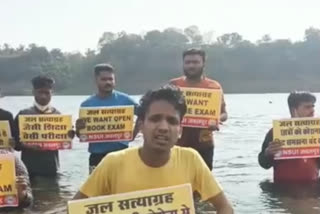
point(77, 24)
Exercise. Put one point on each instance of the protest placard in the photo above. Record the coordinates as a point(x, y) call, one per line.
point(8, 189)
point(203, 107)
point(5, 134)
point(107, 124)
point(299, 137)
point(49, 132)
point(169, 200)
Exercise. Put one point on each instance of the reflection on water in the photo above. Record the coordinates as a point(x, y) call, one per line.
point(292, 198)
point(41, 187)
point(235, 161)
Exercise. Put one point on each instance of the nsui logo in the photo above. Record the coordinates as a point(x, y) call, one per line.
point(83, 137)
point(66, 145)
point(127, 135)
point(10, 200)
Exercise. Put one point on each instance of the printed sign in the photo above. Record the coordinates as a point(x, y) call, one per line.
point(5, 134)
point(8, 189)
point(300, 137)
point(203, 107)
point(169, 200)
point(49, 132)
point(107, 124)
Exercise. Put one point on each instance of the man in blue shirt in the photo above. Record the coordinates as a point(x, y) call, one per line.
point(106, 96)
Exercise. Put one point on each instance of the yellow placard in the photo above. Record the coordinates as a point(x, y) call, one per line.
point(8, 189)
point(5, 134)
point(300, 137)
point(107, 124)
point(49, 131)
point(174, 200)
point(203, 107)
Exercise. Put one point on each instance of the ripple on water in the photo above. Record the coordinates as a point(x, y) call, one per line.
point(235, 161)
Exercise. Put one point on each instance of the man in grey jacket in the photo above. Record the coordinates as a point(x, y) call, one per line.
point(39, 162)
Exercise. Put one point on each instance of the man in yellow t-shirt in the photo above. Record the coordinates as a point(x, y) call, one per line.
point(158, 163)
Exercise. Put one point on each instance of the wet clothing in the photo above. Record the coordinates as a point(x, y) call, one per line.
point(200, 139)
point(207, 155)
point(289, 170)
point(38, 162)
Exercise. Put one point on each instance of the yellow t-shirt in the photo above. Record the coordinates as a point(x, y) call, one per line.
point(124, 171)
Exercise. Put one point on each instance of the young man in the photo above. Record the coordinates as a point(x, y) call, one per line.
point(38, 162)
point(197, 138)
point(158, 163)
point(106, 97)
point(301, 104)
point(23, 184)
point(25, 196)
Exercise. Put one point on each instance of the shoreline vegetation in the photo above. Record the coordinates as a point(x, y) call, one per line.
point(145, 61)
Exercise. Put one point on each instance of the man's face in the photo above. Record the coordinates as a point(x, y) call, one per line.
point(105, 81)
point(304, 109)
point(42, 95)
point(193, 66)
point(161, 126)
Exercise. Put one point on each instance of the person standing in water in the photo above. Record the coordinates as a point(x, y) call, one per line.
point(158, 163)
point(39, 162)
point(301, 104)
point(107, 96)
point(25, 196)
point(200, 139)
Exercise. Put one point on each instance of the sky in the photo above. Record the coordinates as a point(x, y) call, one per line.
point(76, 25)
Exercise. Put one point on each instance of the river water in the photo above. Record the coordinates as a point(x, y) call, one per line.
point(245, 183)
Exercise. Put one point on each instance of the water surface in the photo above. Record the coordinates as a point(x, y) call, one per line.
point(246, 184)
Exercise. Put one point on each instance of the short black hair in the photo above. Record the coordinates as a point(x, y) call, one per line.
point(42, 81)
point(295, 98)
point(195, 51)
point(169, 93)
point(102, 68)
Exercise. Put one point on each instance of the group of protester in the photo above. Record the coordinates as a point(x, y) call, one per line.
point(170, 155)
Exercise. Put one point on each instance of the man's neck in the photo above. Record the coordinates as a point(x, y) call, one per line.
point(153, 158)
point(104, 94)
point(194, 80)
point(41, 108)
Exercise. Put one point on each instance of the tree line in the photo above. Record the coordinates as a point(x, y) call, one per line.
point(150, 60)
